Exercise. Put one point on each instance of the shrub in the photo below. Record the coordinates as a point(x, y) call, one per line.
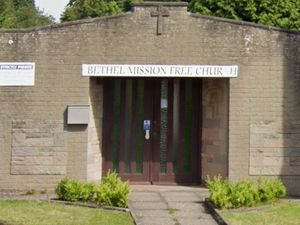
point(225, 194)
point(73, 190)
point(219, 192)
point(112, 191)
point(244, 193)
point(87, 192)
point(60, 189)
point(270, 190)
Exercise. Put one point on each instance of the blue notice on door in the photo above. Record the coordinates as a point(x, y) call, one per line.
point(147, 125)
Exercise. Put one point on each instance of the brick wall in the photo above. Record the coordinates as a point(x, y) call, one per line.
point(264, 109)
point(266, 91)
point(214, 148)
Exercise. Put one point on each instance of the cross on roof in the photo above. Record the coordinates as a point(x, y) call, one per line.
point(160, 14)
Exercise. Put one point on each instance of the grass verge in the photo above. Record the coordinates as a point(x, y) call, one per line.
point(14, 212)
point(277, 214)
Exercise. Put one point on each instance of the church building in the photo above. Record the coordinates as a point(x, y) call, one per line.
point(160, 95)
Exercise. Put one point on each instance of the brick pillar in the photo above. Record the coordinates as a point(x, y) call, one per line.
point(215, 127)
point(95, 132)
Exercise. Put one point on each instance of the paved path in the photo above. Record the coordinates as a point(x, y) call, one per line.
point(170, 206)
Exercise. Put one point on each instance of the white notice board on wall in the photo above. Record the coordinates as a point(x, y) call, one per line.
point(17, 73)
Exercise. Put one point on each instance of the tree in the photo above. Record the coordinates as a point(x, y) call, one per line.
point(7, 14)
point(81, 9)
point(21, 3)
point(280, 13)
point(22, 14)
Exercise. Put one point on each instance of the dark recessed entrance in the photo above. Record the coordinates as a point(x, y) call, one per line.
point(167, 150)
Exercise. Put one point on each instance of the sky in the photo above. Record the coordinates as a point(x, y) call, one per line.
point(52, 7)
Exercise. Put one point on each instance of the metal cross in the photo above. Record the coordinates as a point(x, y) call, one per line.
point(160, 14)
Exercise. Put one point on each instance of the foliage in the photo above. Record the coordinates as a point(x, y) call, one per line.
point(22, 14)
point(279, 13)
point(219, 192)
point(21, 3)
point(73, 190)
point(14, 212)
point(244, 193)
point(112, 191)
point(61, 190)
point(80, 9)
point(270, 189)
point(225, 194)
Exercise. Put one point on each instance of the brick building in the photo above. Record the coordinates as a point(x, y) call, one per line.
point(161, 95)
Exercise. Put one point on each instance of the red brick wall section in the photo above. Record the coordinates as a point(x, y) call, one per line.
point(215, 127)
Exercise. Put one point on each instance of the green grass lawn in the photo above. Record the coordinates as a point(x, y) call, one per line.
point(278, 214)
point(43, 213)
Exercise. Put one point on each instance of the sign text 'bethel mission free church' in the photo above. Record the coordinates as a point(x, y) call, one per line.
point(114, 70)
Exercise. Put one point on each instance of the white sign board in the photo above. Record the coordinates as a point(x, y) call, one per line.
point(113, 70)
point(17, 74)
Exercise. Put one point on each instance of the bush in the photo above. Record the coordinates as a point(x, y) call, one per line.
point(60, 189)
point(112, 191)
point(219, 192)
point(87, 192)
point(270, 190)
point(225, 194)
point(73, 190)
point(244, 193)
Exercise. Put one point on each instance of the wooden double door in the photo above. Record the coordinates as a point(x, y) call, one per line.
point(151, 129)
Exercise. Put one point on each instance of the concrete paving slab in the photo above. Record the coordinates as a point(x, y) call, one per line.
point(149, 205)
point(144, 193)
point(186, 206)
point(182, 197)
point(163, 206)
point(196, 222)
point(145, 198)
point(178, 193)
point(152, 213)
point(155, 221)
point(190, 221)
point(192, 214)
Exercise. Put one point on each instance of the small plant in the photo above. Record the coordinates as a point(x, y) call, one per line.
point(30, 192)
point(43, 192)
point(219, 191)
point(244, 193)
point(112, 191)
point(270, 190)
point(225, 194)
point(61, 190)
point(73, 190)
point(87, 192)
